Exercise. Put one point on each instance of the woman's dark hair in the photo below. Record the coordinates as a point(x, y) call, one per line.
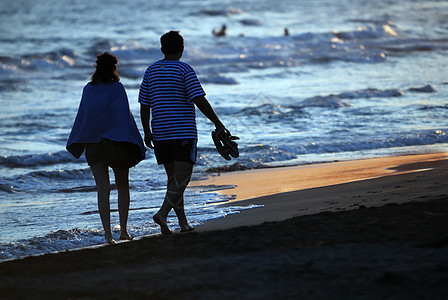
point(105, 68)
point(172, 42)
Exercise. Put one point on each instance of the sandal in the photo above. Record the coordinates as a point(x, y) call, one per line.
point(224, 143)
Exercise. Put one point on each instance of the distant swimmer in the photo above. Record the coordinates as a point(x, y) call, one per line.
point(286, 32)
point(221, 32)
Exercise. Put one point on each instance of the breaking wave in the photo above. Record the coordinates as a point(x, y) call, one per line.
point(33, 160)
point(368, 44)
point(260, 156)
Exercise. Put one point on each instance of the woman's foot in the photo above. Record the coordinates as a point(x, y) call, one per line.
point(162, 223)
point(110, 241)
point(124, 236)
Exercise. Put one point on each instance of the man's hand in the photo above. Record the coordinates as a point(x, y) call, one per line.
point(219, 128)
point(145, 111)
point(148, 140)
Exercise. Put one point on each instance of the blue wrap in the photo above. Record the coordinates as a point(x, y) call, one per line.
point(103, 113)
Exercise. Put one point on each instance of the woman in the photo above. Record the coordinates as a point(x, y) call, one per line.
point(104, 116)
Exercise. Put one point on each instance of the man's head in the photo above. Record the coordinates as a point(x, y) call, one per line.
point(172, 43)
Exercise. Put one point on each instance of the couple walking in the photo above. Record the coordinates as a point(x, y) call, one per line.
point(104, 127)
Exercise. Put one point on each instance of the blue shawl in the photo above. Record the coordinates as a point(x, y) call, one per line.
point(103, 113)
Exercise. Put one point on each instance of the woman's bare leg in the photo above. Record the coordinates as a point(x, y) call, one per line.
point(101, 174)
point(122, 183)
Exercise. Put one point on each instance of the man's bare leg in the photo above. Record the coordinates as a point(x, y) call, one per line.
point(179, 175)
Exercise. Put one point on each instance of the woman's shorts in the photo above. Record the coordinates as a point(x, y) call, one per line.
point(175, 150)
point(94, 154)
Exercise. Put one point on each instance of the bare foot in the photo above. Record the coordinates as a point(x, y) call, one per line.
point(162, 223)
point(124, 236)
point(110, 241)
point(186, 228)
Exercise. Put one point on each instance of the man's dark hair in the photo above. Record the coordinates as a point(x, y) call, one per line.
point(172, 42)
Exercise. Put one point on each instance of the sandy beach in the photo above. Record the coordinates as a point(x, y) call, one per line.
point(366, 229)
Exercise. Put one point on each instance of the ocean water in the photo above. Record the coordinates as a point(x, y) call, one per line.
point(354, 79)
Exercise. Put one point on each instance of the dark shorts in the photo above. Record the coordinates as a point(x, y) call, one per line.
point(94, 154)
point(175, 150)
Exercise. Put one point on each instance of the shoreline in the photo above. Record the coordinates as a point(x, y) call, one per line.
point(383, 237)
point(290, 192)
point(251, 183)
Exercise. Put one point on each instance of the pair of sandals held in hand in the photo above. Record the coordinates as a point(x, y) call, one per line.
point(225, 143)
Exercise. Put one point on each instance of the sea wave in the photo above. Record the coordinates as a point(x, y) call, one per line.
point(216, 79)
point(424, 89)
point(218, 12)
point(368, 32)
point(331, 101)
point(33, 160)
point(339, 100)
point(250, 22)
point(423, 138)
point(6, 187)
point(368, 44)
point(410, 45)
point(433, 107)
point(61, 174)
point(268, 108)
point(61, 59)
point(53, 181)
point(260, 156)
point(53, 242)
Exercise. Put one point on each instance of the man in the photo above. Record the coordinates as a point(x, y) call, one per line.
point(168, 94)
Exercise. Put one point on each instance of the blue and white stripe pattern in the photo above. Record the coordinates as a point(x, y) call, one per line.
point(168, 87)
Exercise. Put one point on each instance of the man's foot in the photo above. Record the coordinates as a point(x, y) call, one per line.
point(186, 228)
point(162, 223)
point(124, 236)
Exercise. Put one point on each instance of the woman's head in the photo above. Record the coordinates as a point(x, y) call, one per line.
point(105, 68)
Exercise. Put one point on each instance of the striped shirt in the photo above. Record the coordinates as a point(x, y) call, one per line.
point(168, 87)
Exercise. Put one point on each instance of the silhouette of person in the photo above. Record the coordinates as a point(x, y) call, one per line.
point(286, 32)
point(168, 94)
point(221, 32)
point(104, 114)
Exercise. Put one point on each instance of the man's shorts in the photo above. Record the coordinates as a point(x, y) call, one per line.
point(175, 150)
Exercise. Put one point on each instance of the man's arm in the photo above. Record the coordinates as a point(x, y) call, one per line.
point(205, 108)
point(145, 111)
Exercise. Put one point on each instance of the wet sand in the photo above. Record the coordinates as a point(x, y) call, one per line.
point(381, 233)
